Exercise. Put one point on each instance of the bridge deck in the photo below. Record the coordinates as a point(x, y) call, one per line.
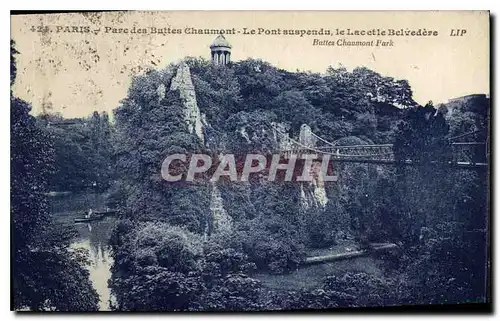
point(465, 155)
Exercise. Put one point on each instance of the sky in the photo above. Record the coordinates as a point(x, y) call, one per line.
point(65, 69)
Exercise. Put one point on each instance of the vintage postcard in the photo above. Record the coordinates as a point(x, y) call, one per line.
point(250, 161)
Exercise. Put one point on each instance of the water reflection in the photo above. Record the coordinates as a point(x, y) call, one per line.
point(93, 236)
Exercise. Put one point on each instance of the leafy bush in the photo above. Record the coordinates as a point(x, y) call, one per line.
point(367, 290)
point(277, 252)
point(234, 292)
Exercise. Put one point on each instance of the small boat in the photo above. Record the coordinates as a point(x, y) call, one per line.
point(94, 217)
point(107, 213)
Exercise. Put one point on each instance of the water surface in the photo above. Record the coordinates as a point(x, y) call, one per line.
point(93, 236)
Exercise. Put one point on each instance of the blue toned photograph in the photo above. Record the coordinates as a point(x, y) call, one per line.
point(240, 161)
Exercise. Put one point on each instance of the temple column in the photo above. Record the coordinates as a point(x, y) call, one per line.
point(221, 51)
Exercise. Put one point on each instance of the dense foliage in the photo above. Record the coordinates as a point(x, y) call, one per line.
point(205, 246)
point(46, 274)
point(82, 151)
point(274, 224)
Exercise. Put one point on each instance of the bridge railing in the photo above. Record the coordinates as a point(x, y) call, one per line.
point(463, 153)
point(470, 153)
point(356, 152)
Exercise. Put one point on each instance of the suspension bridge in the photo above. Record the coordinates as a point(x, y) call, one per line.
point(472, 155)
point(464, 154)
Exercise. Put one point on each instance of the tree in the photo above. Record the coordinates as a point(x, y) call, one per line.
point(270, 229)
point(421, 137)
point(250, 132)
point(259, 83)
point(446, 255)
point(46, 274)
point(294, 108)
point(217, 92)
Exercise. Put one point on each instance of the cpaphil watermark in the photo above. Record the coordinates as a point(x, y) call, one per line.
point(249, 167)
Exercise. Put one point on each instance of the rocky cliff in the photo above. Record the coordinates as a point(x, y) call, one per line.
point(196, 121)
point(221, 221)
point(184, 84)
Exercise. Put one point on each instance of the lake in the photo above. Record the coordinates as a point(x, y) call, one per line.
point(93, 236)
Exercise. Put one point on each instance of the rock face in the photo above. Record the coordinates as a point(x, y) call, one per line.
point(183, 83)
point(313, 194)
point(161, 92)
point(319, 192)
point(281, 136)
point(317, 196)
point(221, 221)
point(306, 137)
point(196, 121)
point(244, 134)
point(306, 201)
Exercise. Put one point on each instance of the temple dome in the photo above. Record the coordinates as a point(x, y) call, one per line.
point(220, 41)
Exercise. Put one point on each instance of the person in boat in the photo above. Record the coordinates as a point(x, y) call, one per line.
point(89, 214)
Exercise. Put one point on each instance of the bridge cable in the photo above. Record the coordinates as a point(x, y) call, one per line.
point(288, 138)
point(328, 153)
point(322, 139)
point(463, 135)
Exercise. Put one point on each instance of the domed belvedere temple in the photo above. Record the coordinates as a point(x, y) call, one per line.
point(220, 50)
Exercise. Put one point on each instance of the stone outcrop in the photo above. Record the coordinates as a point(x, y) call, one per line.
point(317, 196)
point(313, 194)
point(183, 83)
point(161, 91)
point(281, 136)
point(221, 221)
point(197, 123)
point(306, 137)
point(244, 134)
point(319, 192)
